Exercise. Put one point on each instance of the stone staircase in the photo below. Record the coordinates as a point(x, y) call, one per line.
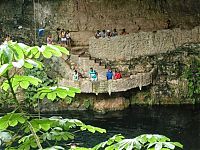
point(81, 60)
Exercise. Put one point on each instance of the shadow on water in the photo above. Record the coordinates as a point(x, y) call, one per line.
point(179, 123)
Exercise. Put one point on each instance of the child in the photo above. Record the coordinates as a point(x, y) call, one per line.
point(75, 75)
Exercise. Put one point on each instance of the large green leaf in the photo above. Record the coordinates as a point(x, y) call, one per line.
point(5, 86)
point(54, 50)
point(7, 53)
point(22, 81)
point(33, 52)
point(17, 50)
point(18, 64)
point(33, 63)
point(5, 136)
point(11, 119)
point(24, 84)
point(46, 53)
point(62, 49)
point(61, 93)
point(158, 146)
point(76, 90)
point(53, 92)
point(4, 68)
point(178, 144)
point(51, 96)
point(55, 148)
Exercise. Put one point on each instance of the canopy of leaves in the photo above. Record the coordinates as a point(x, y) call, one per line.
point(53, 92)
point(145, 141)
point(17, 55)
point(50, 129)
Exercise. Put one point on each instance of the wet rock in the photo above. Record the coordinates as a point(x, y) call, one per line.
point(110, 104)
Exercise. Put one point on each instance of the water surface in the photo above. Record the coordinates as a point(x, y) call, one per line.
point(179, 123)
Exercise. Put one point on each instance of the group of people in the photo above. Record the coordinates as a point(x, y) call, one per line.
point(110, 75)
point(93, 75)
point(108, 33)
point(63, 37)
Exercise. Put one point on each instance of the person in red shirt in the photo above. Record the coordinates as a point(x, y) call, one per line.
point(118, 75)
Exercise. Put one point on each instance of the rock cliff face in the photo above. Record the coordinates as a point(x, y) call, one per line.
point(126, 47)
point(86, 16)
point(172, 83)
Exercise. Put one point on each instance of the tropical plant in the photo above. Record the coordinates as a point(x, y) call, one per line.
point(20, 130)
point(142, 142)
point(30, 132)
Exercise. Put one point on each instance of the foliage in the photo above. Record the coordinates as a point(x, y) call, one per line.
point(36, 133)
point(193, 76)
point(32, 90)
point(142, 142)
point(33, 132)
point(87, 103)
point(53, 129)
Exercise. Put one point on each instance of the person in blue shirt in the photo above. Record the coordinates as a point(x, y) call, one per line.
point(40, 32)
point(109, 74)
point(93, 75)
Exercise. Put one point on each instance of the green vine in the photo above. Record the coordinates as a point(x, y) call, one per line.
point(193, 77)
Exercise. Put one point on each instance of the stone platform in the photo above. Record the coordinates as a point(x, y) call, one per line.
point(104, 86)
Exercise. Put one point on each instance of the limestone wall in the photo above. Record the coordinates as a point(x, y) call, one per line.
point(84, 17)
point(143, 43)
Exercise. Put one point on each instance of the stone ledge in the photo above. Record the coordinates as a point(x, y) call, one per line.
point(104, 86)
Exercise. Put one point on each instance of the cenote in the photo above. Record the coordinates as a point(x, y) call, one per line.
point(179, 123)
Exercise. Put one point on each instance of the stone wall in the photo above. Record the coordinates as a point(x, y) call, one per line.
point(83, 17)
point(171, 84)
point(134, 45)
point(104, 86)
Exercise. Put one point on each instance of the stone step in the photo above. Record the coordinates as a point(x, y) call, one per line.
point(85, 55)
point(79, 50)
point(92, 58)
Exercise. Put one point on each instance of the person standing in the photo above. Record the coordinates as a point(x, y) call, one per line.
point(93, 75)
point(68, 38)
point(97, 34)
point(49, 39)
point(124, 32)
point(7, 38)
point(108, 33)
point(63, 37)
point(114, 33)
point(103, 33)
point(75, 76)
point(109, 74)
point(58, 35)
